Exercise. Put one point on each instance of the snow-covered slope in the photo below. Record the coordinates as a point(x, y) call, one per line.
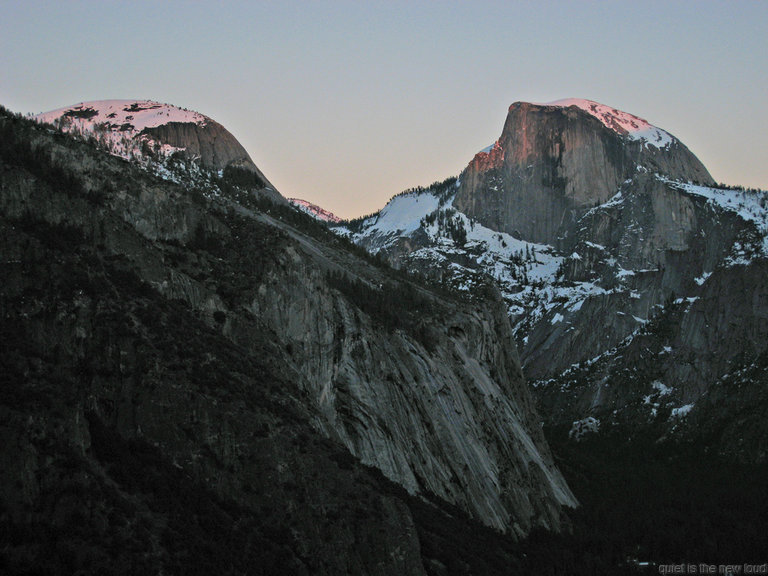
point(444, 243)
point(120, 125)
point(595, 303)
point(172, 142)
point(530, 275)
point(314, 210)
point(131, 116)
point(400, 217)
point(623, 123)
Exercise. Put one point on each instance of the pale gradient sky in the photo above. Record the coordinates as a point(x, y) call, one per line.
point(347, 103)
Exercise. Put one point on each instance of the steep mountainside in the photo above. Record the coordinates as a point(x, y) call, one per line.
point(553, 162)
point(636, 295)
point(172, 348)
point(155, 134)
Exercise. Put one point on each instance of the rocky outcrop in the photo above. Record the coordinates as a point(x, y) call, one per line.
point(604, 315)
point(209, 143)
point(646, 246)
point(552, 164)
point(156, 132)
point(434, 411)
point(697, 369)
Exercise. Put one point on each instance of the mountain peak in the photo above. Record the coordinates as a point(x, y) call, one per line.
point(623, 123)
point(130, 116)
point(553, 162)
point(135, 129)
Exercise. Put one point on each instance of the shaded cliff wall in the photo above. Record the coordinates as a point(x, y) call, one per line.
point(212, 145)
point(447, 413)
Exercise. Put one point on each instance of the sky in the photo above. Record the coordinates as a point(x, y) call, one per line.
point(345, 104)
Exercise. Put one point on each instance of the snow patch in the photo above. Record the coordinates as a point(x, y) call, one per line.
point(681, 411)
point(661, 388)
point(620, 122)
point(584, 427)
point(703, 278)
point(488, 149)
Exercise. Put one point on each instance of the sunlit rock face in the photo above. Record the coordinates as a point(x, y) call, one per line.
point(635, 294)
point(554, 162)
point(147, 129)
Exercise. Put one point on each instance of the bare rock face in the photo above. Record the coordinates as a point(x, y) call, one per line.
point(265, 361)
point(210, 143)
point(553, 163)
point(446, 411)
point(643, 305)
point(698, 369)
point(648, 244)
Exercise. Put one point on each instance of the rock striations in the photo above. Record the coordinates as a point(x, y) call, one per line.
point(625, 269)
point(185, 360)
point(553, 162)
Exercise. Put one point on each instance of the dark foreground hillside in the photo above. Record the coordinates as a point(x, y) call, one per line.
point(652, 503)
point(135, 438)
point(151, 422)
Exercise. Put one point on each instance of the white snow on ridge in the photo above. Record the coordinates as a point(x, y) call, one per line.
point(140, 114)
point(526, 272)
point(314, 210)
point(621, 122)
point(751, 206)
point(117, 125)
point(402, 215)
point(615, 200)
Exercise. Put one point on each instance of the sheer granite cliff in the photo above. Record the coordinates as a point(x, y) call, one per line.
point(443, 410)
point(166, 348)
point(210, 143)
point(552, 164)
point(588, 220)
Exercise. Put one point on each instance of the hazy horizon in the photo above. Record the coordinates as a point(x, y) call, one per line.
point(345, 104)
